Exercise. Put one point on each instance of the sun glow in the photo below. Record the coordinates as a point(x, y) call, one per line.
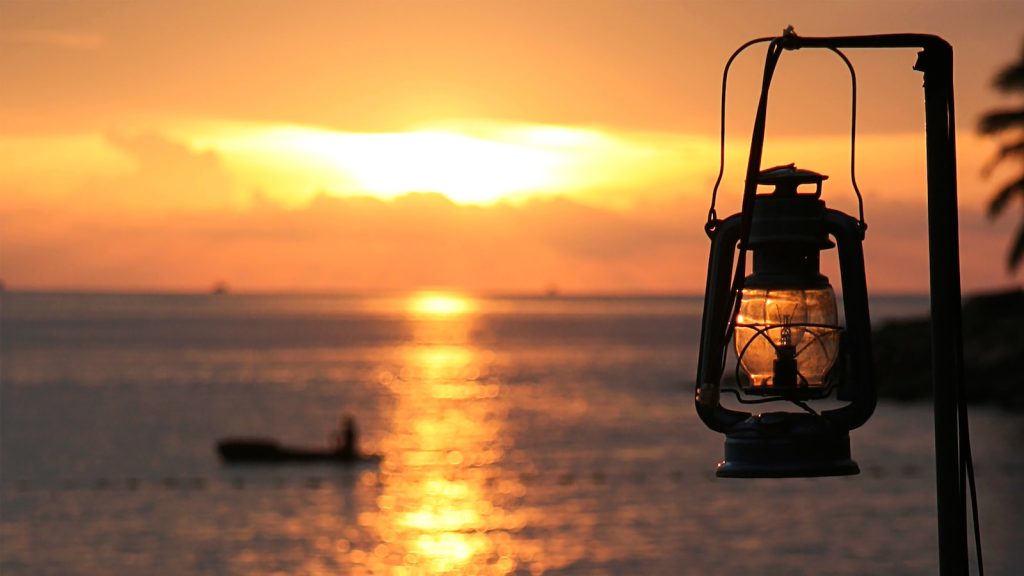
point(469, 162)
point(439, 304)
point(464, 167)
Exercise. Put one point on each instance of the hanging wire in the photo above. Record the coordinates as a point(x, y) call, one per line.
point(712, 215)
point(742, 400)
point(967, 469)
point(799, 403)
point(803, 405)
point(967, 481)
point(750, 184)
point(750, 187)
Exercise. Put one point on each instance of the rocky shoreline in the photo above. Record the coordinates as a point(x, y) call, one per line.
point(993, 333)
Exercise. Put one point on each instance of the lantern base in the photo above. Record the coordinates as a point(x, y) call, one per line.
point(786, 445)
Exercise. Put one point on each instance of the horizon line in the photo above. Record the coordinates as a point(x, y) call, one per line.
point(398, 292)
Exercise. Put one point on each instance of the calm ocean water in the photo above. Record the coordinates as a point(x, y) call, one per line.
point(520, 435)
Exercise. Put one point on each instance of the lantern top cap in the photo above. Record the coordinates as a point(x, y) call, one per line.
point(786, 179)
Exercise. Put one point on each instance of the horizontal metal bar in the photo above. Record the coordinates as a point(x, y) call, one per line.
point(792, 41)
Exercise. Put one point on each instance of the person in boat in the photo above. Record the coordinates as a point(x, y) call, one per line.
point(346, 438)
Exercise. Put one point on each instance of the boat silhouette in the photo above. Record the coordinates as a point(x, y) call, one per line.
point(345, 450)
point(269, 451)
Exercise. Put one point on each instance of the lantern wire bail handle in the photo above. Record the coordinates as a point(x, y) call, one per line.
point(862, 224)
point(786, 41)
point(712, 223)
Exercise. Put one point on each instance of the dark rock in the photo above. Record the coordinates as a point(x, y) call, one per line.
point(993, 335)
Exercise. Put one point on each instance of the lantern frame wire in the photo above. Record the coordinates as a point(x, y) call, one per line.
point(798, 403)
point(806, 391)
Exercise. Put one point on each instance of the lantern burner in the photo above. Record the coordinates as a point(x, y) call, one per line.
point(786, 445)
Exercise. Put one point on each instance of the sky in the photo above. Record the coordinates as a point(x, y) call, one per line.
point(483, 146)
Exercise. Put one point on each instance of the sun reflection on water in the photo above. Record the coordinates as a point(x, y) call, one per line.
point(440, 304)
point(444, 505)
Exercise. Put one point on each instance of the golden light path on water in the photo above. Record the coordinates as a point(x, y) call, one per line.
point(443, 506)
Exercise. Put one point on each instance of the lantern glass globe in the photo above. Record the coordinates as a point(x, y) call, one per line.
point(774, 327)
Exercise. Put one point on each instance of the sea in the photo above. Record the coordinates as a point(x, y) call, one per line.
point(519, 435)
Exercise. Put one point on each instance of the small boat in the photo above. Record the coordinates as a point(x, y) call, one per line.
point(268, 451)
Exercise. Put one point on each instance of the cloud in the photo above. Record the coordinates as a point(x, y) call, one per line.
point(358, 243)
point(167, 177)
point(176, 218)
point(61, 39)
point(470, 161)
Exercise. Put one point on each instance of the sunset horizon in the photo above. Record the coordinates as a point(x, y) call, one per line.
point(305, 155)
point(497, 287)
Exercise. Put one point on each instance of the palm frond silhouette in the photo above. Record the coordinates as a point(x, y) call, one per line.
point(1008, 125)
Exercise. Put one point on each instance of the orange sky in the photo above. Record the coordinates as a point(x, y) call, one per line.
point(486, 146)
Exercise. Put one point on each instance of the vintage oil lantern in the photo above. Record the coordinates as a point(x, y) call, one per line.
point(782, 325)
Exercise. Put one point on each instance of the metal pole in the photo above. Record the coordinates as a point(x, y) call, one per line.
point(947, 348)
point(936, 61)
